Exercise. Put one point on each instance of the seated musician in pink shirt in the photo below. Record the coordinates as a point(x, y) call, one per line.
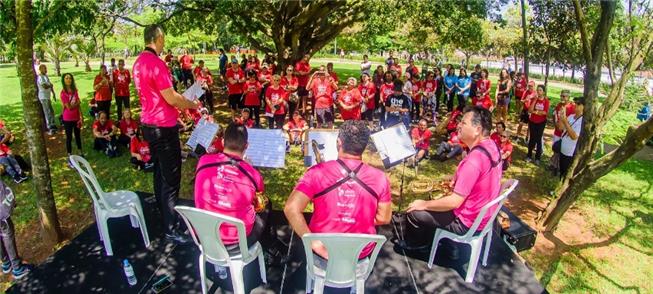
point(227, 184)
point(342, 203)
point(476, 182)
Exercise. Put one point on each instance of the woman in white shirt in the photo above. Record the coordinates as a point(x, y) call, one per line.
point(571, 131)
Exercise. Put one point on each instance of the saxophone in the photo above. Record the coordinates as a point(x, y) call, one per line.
point(316, 151)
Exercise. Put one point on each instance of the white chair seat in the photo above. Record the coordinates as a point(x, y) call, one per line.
point(343, 269)
point(205, 227)
point(472, 237)
point(110, 204)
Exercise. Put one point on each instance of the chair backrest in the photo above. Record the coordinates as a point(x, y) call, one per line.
point(506, 188)
point(84, 169)
point(204, 226)
point(343, 250)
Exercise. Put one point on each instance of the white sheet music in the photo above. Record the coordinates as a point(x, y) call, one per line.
point(266, 148)
point(327, 141)
point(203, 134)
point(193, 92)
point(393, 144)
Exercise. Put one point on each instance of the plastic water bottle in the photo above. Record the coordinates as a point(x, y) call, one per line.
point(222, 272)
point(129, 272)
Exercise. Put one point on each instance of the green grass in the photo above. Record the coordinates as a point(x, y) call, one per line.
point(619, 208)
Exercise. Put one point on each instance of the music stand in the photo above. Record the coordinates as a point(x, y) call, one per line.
point(394, 145)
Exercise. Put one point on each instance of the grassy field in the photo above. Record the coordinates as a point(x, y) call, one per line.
point(603, 245)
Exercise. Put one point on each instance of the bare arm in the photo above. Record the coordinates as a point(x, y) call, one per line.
point(383, 214)
point(294, 209)
point(177, 100)
point(446, 203)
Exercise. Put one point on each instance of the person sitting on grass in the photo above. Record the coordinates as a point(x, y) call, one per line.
point(10, 164)
point(506, 149)
point(92, 108)
point(296, 129)
point(421, 136)
point(140, 151)
point(11, 261)
point(500, 127)
point(483, 101)
point(6, 137)
point(104, 133)
point(245, 119)
point(450, 148)
point(128, 128)
point(453, 120)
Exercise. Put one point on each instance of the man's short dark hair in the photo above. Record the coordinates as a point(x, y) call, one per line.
point(354, 136)
point(151, 32)
point(480, 117)
point(579, 100)
point(235, 137)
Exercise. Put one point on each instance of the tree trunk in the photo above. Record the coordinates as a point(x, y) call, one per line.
point(103, 51)
point(525, 39)
point(57, 65)
point(573, 73)
point(584, 170)
point(546, 68)
point(42, 184)
point(87, 64)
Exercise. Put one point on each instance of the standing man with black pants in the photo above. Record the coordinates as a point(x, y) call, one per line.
point(160, 105)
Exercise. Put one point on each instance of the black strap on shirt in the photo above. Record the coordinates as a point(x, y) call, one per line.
point(151, 50)
point(489, 156)
point(233, 161)
point(351, 175)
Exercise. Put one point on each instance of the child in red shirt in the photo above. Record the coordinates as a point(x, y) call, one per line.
point(295, 129)
point(105, 135)
point(252, 101)
point(496, 136)
point(244, 119)
point(350, 101)
point(12, 167)
point(128, 128)
point(140, 151)
point(421, 136)
point(506, 149)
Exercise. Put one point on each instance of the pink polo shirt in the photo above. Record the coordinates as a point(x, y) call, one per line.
point(226, 190)
point(70, 114)
point(348, 208)
point(478, 182)
point(151, 76)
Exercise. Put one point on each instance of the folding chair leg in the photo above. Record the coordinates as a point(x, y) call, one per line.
point(261, 265)
point(309, 283)
point(106, 240)
point(473, 260)
point(143, 226)
point(488, 242)
point(319, 286)
point(133, 220)
point(203, 273)
point(236, 269)
point(434, 247)
point(360, 286)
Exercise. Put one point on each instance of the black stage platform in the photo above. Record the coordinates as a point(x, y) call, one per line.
point(83, 267)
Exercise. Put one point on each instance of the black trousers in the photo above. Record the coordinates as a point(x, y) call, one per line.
point(450, 97)
point(71, 128)
point(565, 163)
point(166, 156)
point(260, 226)
point(536, 131)
point(104, 106)
point(8, 243)
point(207, 100)
point(421, 225)
point(121, 101)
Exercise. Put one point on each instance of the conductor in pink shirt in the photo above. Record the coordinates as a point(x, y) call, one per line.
point(160, 106)
point(342, 203)
point(475, 183)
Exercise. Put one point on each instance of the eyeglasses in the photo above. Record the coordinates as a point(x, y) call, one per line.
point(504, 136)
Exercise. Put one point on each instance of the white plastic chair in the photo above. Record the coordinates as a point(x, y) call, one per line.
point(343, 268)
point(476, 241)
point(204, 226)
point(110, 204)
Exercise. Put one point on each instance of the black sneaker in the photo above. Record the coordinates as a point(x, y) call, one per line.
point(6, 267)
point(18, 179)
point(178, 238)
point(21, 271)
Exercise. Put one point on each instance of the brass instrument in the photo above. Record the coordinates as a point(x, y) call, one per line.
point(316, 151)
point(261, 201)
point(441, 188)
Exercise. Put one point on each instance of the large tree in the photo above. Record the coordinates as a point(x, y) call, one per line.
point(586, 169)
point(42, 184)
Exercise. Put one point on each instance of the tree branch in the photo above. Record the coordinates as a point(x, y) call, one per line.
point(580, 20)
